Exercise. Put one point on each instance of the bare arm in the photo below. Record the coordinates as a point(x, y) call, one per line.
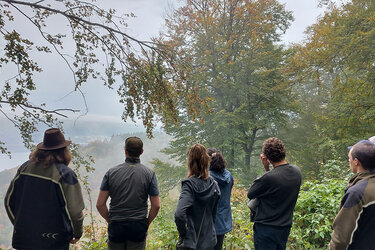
point(101, 204)
point(155, 206)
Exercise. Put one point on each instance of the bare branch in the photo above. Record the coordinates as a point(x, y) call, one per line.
point(85, 102)
point(14, 77)
point(32, 114)
point(78, 20)
point(53, 111)
point(10, 119)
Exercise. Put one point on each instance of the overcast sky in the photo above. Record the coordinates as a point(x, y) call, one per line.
point(56, 81)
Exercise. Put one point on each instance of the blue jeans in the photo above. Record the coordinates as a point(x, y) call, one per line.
point(270, 237)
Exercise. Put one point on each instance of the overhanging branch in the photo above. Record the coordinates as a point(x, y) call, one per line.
point(46, 111)
point(81, 20)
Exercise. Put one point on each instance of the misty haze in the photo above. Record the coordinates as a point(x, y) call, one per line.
point(222, 73)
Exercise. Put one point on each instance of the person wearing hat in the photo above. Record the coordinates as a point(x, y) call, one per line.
point(44, 200)
point(353, 227)
point(129, 185)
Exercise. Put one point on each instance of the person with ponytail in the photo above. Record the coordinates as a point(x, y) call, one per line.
point(195, 214)
point(224, 178)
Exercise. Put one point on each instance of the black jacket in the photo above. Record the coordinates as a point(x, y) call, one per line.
point(276, 191)
point(45, 206)
point(196, 213)
point(353, 227)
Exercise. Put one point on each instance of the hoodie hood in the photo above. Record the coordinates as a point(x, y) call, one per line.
point(203, 189)
point(221, 177)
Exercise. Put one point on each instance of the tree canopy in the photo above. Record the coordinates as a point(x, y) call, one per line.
point(236, 61)
point(334, 75)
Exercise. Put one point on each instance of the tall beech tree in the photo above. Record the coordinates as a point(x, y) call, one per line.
point(230, 50)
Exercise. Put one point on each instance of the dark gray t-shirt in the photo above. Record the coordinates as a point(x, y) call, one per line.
point(129, 185)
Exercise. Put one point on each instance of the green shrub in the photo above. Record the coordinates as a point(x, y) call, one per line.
point(241, 237)
point(316, 208)
point(163, 232)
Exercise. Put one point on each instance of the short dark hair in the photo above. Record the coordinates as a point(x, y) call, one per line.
point(364, 151)
point(134, 146)
point(218, 162)
point(274, 149)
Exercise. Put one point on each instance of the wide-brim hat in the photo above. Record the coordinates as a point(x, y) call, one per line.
point(53, 139)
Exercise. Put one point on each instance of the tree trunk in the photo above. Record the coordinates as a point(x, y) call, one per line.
point(232, 155)
point(248, 148)
point(247, 159)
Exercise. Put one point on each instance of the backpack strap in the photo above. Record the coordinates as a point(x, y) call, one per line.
point(200, 227)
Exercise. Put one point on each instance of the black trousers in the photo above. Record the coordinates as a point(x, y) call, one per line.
point(121, 231)
point(270, 237)
point(220, 241)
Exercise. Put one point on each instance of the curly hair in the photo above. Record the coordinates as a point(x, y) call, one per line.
point(198, 161)
point(50, 157)
point(218, 162)
point(273, 148)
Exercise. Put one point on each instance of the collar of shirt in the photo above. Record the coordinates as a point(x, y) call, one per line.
point(132, 160)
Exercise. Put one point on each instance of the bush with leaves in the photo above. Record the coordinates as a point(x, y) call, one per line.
point(163, 232)
point(241, 237)
point(94, 237)
point(316, 208)
point(168, 175)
